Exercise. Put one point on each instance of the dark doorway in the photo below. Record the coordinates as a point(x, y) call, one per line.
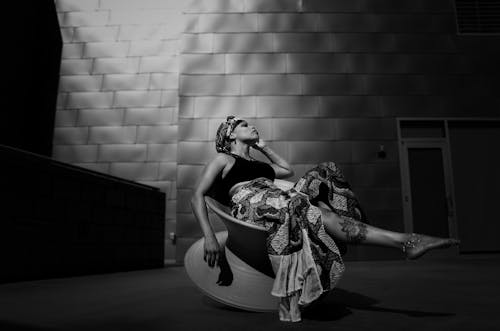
point(428, 191)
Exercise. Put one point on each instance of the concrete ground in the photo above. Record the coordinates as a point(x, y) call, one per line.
point(458, 293)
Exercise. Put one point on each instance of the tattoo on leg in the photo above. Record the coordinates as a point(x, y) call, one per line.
point(355, 231)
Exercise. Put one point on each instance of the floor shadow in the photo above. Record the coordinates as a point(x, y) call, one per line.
point(336, 303)
point(213, 303)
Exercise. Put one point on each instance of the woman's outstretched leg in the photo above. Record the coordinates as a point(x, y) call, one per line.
point(357, 232)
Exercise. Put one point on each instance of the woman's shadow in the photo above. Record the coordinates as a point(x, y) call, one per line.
point(335, 304)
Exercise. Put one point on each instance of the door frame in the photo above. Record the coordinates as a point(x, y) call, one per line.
point(447, 164)
point(448, 181)
point(444, 143)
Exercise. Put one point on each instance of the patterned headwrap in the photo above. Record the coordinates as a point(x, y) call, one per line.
point(222, 142)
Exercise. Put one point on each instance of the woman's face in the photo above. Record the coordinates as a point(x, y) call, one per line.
point(246, 132)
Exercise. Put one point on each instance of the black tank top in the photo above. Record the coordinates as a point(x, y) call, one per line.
point(241, 171)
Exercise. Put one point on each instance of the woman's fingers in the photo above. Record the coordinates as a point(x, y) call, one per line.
point(211, 252)
point(215, 258)
point(211, 258)
point(216, 262)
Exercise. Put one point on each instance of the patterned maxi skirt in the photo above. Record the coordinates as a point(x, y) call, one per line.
point(306, 260)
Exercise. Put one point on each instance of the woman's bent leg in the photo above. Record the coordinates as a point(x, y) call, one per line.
point(345, 220)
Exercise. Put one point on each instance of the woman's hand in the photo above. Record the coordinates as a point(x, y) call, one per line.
point(211, 251)
point(260, 144)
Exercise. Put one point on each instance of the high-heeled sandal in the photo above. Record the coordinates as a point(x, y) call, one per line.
point(417, 245)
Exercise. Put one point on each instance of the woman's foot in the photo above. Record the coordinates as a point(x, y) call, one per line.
point(416, 245)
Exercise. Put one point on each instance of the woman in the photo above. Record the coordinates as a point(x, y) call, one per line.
point(305, 225)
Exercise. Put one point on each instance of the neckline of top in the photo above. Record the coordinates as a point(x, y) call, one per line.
point(241, 157)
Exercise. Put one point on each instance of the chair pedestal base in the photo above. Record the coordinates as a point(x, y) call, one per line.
point(249, 290)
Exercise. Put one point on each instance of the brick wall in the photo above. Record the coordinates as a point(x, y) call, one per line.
point(323, 81)
point(118, 91)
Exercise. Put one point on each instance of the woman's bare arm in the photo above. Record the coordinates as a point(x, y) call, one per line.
point(279, 164)
point(199, 206)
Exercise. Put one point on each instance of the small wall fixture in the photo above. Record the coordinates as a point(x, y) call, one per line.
point(173, 237)
point(381, 153)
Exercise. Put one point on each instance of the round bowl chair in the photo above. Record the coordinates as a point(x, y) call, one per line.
point(244, 276)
